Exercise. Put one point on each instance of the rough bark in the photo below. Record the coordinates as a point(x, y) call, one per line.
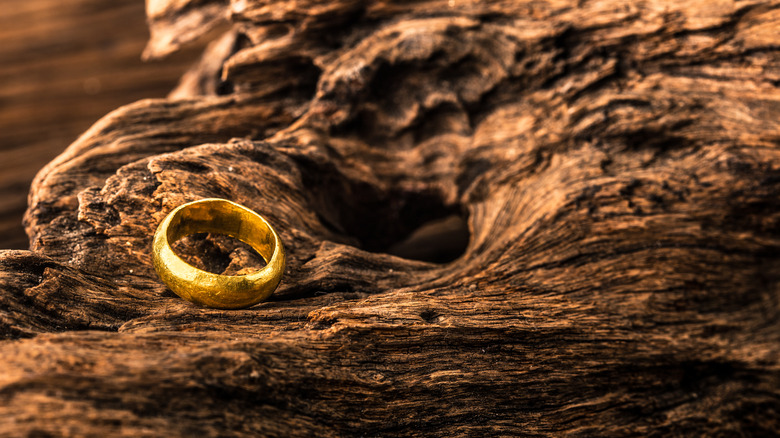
point(617, 167)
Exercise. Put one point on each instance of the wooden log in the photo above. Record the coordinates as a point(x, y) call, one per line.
point(614, 166)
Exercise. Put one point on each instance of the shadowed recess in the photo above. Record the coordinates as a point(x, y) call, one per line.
point(218, 254)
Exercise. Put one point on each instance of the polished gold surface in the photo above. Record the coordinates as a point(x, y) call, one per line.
point(214, 290)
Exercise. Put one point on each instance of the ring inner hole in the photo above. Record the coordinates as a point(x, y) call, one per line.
point(218, 254)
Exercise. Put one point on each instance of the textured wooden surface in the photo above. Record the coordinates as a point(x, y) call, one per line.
point(616, 166)
point(63, 65)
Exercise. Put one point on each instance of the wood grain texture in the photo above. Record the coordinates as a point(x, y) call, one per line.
point(617, 167)
point(63, 65)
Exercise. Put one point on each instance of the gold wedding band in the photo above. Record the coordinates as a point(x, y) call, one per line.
point(214, 290)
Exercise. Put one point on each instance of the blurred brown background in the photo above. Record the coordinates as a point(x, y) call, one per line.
point(63, 65)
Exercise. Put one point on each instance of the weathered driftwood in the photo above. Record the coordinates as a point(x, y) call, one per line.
point(616, 163)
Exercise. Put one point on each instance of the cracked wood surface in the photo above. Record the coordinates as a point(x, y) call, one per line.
point(617, 168)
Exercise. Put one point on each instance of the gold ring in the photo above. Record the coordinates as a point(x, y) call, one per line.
point(214, 290)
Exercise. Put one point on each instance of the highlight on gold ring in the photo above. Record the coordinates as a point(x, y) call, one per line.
point(220, 216)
